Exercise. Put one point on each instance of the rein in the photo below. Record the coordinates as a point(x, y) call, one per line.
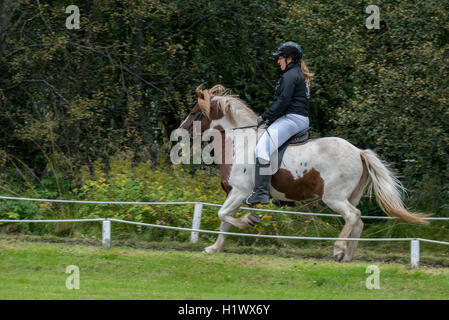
point(246, 127)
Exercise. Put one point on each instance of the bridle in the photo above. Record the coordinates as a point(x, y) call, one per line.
point(200, 114)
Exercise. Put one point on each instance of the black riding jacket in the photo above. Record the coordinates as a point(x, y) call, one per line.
point(291, 95)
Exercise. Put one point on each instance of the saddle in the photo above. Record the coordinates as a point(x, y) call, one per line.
point(300, 137)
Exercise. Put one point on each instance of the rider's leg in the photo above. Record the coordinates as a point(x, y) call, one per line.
point(276, 134)
point(261, 181)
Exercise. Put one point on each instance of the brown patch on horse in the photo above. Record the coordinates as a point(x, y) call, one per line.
point(225, 172)
point(310, 185)
point(215, 112)
point(220, 108)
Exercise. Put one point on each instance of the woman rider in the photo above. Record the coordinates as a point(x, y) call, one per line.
point(287, 116)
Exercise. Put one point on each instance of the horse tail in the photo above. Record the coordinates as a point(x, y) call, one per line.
point(387, 189)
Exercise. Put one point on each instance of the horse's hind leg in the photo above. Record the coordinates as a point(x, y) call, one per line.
point(351, 218)
point(352, 246)
point(354, 199)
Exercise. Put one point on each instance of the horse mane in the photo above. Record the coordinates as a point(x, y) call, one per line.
point(230, 104)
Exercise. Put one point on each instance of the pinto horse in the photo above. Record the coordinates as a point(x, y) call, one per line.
point(330, 168)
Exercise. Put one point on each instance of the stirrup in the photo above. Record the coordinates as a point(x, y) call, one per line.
point(256, 198)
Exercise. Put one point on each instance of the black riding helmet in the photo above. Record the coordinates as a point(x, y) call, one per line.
point(289, 49)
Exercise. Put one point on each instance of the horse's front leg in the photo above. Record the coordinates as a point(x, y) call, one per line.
point(218, 245)
point(230, 207)
point(226, 214)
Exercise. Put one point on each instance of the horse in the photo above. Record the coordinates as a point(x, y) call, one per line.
point(329, 168)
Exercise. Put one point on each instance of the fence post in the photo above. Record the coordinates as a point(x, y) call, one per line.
point(106, 240)
point(414, 253)
point(196, 222)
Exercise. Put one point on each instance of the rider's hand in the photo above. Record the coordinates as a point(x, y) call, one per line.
point(260, 121)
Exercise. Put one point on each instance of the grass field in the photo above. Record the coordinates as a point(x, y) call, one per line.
point(36, 270)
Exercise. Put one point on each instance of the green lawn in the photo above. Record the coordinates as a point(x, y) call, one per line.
point(35, 270)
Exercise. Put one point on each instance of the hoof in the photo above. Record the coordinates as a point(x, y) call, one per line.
point(251, 220)
point(339, 256)
point(210, 249)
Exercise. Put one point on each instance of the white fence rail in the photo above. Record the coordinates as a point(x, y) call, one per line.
point(204, 204)
point(196, 223)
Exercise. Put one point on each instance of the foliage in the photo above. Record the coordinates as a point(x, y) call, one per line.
point(125, 182)
point(139, 184)
point(70, 100)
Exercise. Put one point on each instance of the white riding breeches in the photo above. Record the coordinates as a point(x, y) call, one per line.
point(279, 132)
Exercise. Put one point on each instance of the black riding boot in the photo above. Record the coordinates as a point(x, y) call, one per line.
point(260, 193)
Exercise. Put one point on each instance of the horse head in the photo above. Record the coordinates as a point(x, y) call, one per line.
point(217, 109)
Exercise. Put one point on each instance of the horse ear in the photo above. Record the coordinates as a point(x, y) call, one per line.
point(200, 92)
point(204, 100)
